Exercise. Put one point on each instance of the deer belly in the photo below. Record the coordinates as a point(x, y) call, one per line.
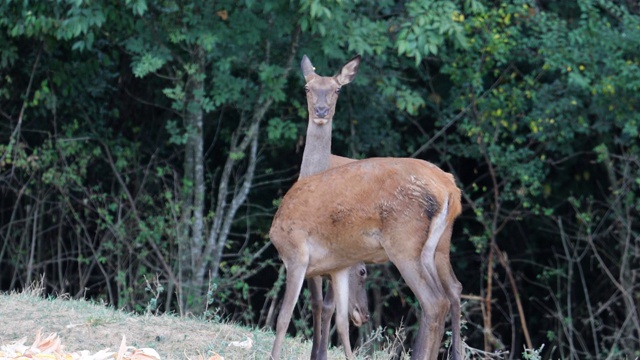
point(324, 260)
point(372, 250)
point(345, 251)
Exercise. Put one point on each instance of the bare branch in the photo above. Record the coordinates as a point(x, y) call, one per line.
point(16, 131)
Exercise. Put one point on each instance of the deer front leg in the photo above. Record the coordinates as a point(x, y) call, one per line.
point(340, 284)
point(315, 288)
point(295, 279)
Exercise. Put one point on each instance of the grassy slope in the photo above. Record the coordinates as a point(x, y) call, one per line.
point(83, 325)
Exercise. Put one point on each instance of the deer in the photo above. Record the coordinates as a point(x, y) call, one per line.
point(322, 95)
point(375, 210)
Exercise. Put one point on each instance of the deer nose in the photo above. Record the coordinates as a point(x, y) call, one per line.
point(321, 111)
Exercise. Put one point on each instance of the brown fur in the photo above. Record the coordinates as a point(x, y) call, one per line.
point(376, 210)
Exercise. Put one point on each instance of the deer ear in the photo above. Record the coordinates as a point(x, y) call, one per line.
point(307, 67)
point(348, 71)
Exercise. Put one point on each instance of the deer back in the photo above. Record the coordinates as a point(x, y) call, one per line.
point(347, 214)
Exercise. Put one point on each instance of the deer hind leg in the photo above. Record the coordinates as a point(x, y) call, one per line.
point(453, 290)
point(435, 258)
point(434, 306)
point(295, 279)
point(419, 269)
point(315, 288)
point(340, 284)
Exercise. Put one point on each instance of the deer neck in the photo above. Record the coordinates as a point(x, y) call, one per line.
point(317, 149)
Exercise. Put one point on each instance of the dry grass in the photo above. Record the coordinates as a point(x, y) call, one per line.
point(83, 325)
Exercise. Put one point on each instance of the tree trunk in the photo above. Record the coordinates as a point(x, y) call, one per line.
point(205, 256)
point(193, 190)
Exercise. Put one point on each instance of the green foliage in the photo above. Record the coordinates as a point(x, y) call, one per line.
point(176, 136)
point(533, 354)
point(139, 7)
point(428, 25)
point(279, 130)
point(273, 81)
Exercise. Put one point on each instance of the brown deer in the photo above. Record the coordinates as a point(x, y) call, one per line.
point(322, 95)
point(388, 217)
point(373, 210)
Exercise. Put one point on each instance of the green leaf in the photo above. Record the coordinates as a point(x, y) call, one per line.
point(239, 155)
point(146, 64)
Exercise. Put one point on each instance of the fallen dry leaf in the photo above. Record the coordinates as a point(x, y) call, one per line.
point(123, 348)
point(51, 348)
point(15, 348)
point(51, 344)
point(145, 354)
point(246, 344)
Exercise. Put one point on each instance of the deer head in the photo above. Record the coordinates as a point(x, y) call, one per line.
point(358, 301)
point(322, 95)
point(322, 92)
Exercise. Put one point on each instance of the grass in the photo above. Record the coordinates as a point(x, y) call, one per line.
point(84, 325)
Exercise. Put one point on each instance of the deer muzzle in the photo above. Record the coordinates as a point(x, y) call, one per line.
point(321, 111)
point(358, 318)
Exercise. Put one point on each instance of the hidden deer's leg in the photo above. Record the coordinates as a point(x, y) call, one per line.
point(315, 288)
point(340, 284)
point(328, 307)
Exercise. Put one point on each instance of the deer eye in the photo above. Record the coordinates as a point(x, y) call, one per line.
point(363, 272)
point(306, 88)
point(338, 91)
